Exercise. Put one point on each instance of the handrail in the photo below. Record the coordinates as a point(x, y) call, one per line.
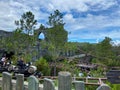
point(85, 79)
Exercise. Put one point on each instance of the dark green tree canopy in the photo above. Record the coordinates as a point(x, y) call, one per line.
point(55, 19)
point(27, 22)
point(57, 35)
point(105, 45)
point(104, 48)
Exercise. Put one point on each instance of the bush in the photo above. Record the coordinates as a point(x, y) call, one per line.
point(43, 66)
point(114, 86)
point(91, 87)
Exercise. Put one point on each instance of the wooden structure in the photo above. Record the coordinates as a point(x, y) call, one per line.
point(87, 66)
point(87, 81)
point(113, 76)
point(64, 83)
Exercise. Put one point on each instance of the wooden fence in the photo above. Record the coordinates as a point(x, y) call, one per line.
point(87, 81)
point(64, 83)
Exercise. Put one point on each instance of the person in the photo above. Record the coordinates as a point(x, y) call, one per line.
point(4, 61)
point(21, 63)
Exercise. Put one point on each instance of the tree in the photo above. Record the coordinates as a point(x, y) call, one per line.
point(25, 28)
point(56, 35)
point(70, 48)
point(56, 18)
point(104, 50)
point(26, 23)
point(87, 48)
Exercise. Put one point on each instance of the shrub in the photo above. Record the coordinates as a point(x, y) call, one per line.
point(43, 66)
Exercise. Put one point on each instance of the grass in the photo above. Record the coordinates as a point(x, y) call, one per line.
point(114, 86)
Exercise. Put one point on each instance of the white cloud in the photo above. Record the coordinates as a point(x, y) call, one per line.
point(96, 35)
point(93, 22)
point(67, 5)
point(15, 8)
point(101, 4)
point(12, 10)
point(71, 23)
point(112, 34)
point(69, 18)
point(82, 5)
point(116, 43)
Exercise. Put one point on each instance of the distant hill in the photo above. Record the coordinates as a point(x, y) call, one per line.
point(5, 33)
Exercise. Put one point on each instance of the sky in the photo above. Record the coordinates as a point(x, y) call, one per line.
point(86, 20)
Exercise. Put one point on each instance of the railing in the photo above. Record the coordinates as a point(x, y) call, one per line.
point(87, 81)
point(64, 83)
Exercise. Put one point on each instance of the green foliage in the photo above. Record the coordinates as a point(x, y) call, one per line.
point(113, 63)
point(91, 87)
point(14, 59)
point(98, 72)
point(114, 86)
point(69, 49)
point(56, 43)
point(26, 23)
point(57, 36)
point(87, 48)
point(94, 60)
point(104, 52)
point(43, 66)
point(104, 48)
point(71, 67)
point(55, 18)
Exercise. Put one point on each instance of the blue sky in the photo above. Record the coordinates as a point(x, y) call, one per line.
point(87, 20)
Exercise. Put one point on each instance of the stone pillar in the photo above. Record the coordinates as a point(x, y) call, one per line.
point(103, 87)
point(64, 81)
point(79, 85)
point(48, 84)
point(20, 82)
point(33, 83)
point(6, 81)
